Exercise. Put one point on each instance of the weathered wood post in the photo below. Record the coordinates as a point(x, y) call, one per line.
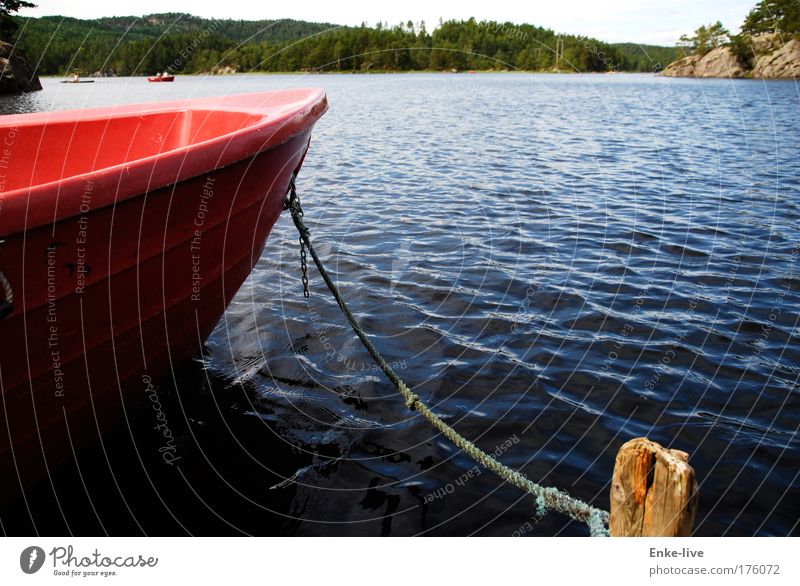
point(653, 492)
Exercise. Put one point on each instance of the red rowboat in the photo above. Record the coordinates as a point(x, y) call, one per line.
point(125, 233)
point(161, 78)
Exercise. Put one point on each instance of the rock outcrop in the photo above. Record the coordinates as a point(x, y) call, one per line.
point(17, 75)
point(720, 62)
point(684, 67)
point(765, 43)
point(773, 57)
point(783, 62)
point(222, 70)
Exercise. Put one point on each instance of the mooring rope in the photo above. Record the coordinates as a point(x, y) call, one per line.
point(546, 497)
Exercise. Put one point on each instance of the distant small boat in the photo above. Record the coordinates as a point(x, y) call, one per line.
point(124, 234)
point(77, 80)
point(157, 78)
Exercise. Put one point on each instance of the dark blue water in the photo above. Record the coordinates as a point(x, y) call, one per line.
point(556, 263)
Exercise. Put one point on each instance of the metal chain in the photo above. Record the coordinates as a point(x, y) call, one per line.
point(292, 203)
point(546, 497)
point(304, 269)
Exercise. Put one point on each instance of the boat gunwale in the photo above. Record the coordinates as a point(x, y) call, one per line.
point(286, 120)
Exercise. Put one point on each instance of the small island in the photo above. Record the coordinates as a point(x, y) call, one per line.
point(768, 46)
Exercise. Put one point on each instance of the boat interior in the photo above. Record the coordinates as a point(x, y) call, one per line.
point(49, 151)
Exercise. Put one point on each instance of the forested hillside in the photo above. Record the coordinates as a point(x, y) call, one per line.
point(182, 43)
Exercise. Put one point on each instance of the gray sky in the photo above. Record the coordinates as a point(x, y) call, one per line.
point(643, 21)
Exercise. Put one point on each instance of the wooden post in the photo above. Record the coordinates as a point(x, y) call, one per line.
point(653, 492)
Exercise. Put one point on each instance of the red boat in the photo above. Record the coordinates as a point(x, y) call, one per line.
point(161, 78)
point(125, 232)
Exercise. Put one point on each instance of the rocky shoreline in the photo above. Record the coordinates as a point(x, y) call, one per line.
point(773, 57)
point(17, 75)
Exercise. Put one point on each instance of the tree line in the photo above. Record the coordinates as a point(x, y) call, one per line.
point(182, 43)
point(768, 16)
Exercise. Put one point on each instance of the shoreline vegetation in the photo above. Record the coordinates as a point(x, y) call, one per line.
point(184, 44)
point(373, 72)
point(768, 46)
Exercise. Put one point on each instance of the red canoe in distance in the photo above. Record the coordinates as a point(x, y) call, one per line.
point(157, 78)
point(126, 231)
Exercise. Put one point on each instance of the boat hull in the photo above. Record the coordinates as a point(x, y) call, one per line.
point(113, 300)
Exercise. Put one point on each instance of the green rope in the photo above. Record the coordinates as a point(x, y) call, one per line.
point(552, 498)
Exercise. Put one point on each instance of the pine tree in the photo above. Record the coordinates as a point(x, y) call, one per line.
point(8, 27)
point(780, 16)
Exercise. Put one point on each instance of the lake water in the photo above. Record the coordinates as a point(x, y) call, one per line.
point(556, 263)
